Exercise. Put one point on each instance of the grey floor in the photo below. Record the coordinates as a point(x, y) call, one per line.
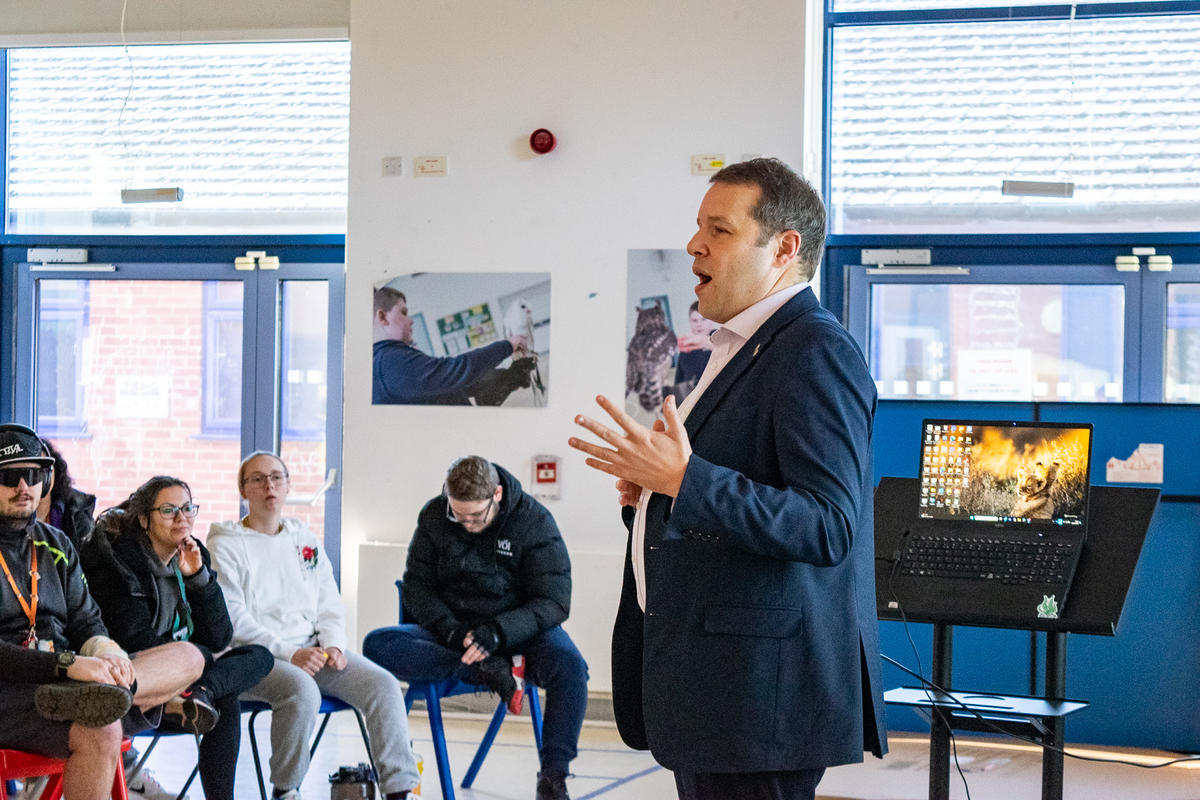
point(607, 769)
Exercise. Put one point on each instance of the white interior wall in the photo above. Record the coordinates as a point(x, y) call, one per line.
point(55, 22)
point(631, 90)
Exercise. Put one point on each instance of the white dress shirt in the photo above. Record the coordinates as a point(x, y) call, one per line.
point(727, 341)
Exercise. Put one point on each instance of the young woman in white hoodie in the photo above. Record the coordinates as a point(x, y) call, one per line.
point(281, 594)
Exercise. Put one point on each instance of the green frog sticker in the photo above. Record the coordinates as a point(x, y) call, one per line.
point(1048, 608)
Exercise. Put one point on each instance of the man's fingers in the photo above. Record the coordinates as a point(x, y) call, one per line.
point(673, 425)
point(631, 426)
point(592, 449)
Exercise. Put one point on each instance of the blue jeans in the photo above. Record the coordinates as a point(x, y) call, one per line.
point(552, 661)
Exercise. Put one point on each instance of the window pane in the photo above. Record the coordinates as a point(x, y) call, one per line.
point(304, 373)
point(997, 342)
point(256, 135)
point(142, 394)
point(928, 120)
point(1183, 343)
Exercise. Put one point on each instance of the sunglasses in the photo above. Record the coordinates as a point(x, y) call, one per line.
point(12, 476)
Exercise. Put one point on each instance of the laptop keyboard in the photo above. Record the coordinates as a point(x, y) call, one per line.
point(1006, 560)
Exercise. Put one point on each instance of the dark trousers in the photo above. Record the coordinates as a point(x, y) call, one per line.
point(551, 661)
point(227, 677)
point(795, 785)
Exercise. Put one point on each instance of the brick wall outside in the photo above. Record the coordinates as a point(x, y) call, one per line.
point(142, 332)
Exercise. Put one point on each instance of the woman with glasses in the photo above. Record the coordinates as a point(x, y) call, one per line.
point(281, 594)
point(154, 584)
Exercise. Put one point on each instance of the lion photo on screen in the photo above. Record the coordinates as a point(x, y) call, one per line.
point(1033, 486)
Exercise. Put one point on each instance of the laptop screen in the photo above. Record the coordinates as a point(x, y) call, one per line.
point(1008, 474)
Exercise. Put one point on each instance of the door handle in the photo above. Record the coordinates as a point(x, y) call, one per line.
point(317, 495)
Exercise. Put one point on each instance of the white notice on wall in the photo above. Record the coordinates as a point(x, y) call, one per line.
point(1144, 466)
point(143, 396)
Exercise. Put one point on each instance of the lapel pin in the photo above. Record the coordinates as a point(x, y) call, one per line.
point(757, 347)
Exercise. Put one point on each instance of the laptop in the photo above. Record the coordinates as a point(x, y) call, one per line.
point(1000, 522)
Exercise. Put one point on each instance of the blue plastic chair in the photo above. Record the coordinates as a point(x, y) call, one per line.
point(145, 756)
point(329, 705)
point(433, 692)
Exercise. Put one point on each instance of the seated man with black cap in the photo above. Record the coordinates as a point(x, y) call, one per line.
point(66, 689)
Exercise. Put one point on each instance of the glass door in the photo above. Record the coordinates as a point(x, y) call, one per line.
point(180, 369)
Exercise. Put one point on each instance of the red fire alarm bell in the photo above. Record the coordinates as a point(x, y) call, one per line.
point(545, 476)
point(542, 141)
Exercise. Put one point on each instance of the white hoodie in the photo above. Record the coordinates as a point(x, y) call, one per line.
point(279, 587)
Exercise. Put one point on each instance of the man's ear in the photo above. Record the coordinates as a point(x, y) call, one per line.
point(788, 248)
point(380, 317)
point(499, 493)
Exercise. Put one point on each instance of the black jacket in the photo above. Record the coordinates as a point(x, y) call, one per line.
point(78, 508)
point(119, 572)
point(516, 572)
point(66, 612)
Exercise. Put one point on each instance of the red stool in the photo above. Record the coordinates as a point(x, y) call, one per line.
point(18, 764)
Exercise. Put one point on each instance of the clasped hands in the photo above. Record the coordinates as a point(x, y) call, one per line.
point(313, 659)
point(653, 458)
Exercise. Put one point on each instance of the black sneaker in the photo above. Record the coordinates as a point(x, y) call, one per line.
point(552, 786)
point(192, 711)
point(92, 705)
point(496, 674)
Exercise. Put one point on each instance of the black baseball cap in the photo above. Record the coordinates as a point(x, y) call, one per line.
point(20, 444)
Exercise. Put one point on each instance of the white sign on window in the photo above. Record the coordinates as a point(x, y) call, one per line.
point(1001, 374)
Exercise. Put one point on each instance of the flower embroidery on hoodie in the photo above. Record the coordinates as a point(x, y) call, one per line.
point(309, 556)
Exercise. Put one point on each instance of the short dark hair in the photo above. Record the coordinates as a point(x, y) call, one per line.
point(141, 502)
point(471, 478)
point(787, 203)
point(695, 306)
point(62, 474)
point(386, 298)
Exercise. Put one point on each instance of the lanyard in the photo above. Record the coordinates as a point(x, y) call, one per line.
point(30, 608)
point(187, 610)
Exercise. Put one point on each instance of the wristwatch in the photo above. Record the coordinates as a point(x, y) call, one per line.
point(65, 659)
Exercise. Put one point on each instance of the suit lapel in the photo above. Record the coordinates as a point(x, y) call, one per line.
point(802, 303)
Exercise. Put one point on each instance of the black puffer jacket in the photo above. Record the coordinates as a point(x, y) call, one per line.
point(119, 573)
point(515, 573)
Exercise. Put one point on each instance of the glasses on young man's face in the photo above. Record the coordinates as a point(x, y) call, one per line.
point(259, 479)
point(478, 516)
point(189, 510)
point(12, 476)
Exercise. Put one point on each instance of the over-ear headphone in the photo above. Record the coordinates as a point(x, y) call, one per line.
point(16, 427)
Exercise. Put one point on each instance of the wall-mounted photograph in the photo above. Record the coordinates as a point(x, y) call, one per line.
point(667, 338)
point(462, 338)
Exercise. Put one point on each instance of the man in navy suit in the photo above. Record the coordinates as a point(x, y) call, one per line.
point(746, 647)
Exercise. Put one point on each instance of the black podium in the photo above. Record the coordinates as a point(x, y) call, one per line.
point(1118, 520)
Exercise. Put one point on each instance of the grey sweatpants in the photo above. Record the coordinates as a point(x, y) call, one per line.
point(295, 697)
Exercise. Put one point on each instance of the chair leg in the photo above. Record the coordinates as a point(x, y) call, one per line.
point(535, 714)
point(437, 729)
point(362, 728)
point(141, 762)
point(320, 732)
point(485, 744)
point(53, 790)
point(191, 779)
point(120, 790)
point(262, 787)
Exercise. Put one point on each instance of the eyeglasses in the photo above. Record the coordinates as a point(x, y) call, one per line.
point(189, 510)
point(478, 516)
point(12, 476)
point(258, 479)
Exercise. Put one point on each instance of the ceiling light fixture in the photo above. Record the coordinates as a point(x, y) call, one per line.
point(1038, 188)
point(167, 194)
